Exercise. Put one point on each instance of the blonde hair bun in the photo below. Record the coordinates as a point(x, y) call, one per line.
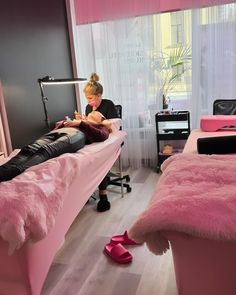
point(93, 87)
point(94, 77)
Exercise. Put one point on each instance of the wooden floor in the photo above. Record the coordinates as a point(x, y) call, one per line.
point(81, 267)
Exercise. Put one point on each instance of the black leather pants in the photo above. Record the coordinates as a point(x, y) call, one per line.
point(50, 145)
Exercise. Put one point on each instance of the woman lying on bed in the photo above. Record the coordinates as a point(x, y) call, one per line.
point(67, 137)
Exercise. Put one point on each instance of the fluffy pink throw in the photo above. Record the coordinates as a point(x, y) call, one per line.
point(196, 194)
point(30, 202)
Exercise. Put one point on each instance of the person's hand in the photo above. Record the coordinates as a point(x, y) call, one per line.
point(74, 123)
point(78, 116)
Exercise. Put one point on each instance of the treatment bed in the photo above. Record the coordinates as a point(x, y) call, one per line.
point(193, 211)
point(38, 206)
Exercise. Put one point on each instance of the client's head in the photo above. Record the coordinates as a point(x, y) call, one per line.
point(98, 118)
point(95, 117)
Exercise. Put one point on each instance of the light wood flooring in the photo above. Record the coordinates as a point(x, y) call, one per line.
point(81, 267)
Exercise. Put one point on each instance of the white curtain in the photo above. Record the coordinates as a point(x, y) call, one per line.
point(213, 57)
point(121, 52)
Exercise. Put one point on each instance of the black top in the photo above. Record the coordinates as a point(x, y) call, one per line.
point(107, 108)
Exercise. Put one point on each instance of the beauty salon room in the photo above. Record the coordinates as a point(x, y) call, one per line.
point(117, 147)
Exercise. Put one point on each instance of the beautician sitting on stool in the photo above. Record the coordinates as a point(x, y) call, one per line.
point(93, 92)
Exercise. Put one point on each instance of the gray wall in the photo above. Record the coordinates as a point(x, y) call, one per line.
point(34, 42)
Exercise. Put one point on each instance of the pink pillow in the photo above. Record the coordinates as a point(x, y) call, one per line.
point(215, 122)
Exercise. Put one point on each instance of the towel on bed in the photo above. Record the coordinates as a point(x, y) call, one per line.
point(196, 195)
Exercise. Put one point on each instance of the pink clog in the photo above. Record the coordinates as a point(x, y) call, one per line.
point(118, 253)
point(123, 239)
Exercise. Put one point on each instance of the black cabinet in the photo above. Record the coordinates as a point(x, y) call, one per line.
point(170, 126)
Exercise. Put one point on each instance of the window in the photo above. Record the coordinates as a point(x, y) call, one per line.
point(177, 32)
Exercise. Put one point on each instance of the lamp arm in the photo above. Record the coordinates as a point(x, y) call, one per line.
point(44, 100)
point(47, 80)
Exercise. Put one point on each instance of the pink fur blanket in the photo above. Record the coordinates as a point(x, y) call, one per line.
point(196, 195)
point(30, 202)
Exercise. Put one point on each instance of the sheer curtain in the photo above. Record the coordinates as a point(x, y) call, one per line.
point(121, 52)
point(213, 58)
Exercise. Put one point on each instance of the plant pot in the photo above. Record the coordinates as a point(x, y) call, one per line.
point(165, 106)
point(164, 102)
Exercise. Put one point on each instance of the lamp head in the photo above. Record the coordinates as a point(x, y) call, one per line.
point(48, 80)
point(45, 79)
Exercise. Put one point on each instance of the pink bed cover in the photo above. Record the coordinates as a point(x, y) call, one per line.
point(30, 203)
point(192, 193)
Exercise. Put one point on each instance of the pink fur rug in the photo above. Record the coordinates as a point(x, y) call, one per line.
point(196, 195)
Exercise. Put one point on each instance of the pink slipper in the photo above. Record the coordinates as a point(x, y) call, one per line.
point(118, 253)
point(123, 239)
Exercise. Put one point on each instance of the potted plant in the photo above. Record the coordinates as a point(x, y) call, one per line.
point(170, 65)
